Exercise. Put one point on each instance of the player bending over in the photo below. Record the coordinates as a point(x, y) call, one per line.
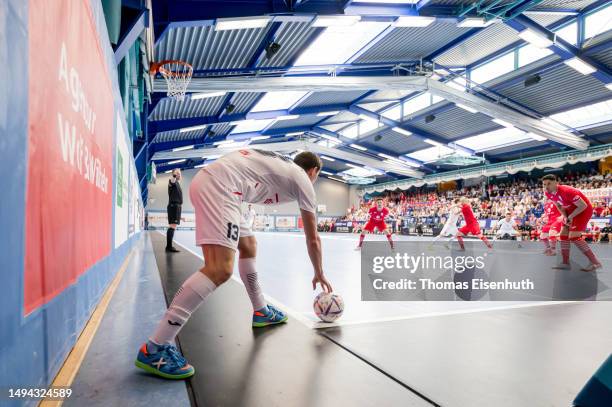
point(377, 216)
point(551, 229)
point(471, 225)
point(508, 227)
point(576, 211)
point(449, 230)
point(217, 192)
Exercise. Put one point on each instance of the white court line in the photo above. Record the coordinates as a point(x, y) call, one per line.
point(291, 312)
point(441, 313)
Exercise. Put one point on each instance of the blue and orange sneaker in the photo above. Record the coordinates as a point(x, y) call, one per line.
point(167, 362)
point(268, 315)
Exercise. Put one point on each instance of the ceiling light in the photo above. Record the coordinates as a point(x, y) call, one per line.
point(327, 158)
point(193, 128)
point(297, 133)
point(353, 165)
point(327, 172)
point(167, 172)
point(433, 142)
point(330, 113)
point(288, 117)
point(201, 165)
point(413, 21)
point(502, 123)
point(259, 138)
point(212, 157)
point(176, 161)
point(388, 157)
point(335, 21)
point(609, 86)
point(579, 65)
point(464, 107)
point(401, 131)
point(535, 38)
point(183, 148)
point(358, 147)
point(195, 96)
point(474, 22)
point(241, 23)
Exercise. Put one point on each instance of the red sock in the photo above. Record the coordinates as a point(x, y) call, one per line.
point(553, 243)
point(460, 240)
point(565, 248)
point(545, 241)
point(390, 240)
point(486, 241)
point(361, 237)
point(585, 249)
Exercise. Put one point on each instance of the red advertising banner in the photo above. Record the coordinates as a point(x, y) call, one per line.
point(69, 185)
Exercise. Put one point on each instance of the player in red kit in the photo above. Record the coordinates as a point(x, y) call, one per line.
point(471, 225)
point(552, 228)
point(378, 214)
point(576, 211)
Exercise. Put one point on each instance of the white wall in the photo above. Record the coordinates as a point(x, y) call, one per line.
point(333, 194)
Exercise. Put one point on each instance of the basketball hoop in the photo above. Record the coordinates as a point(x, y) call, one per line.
point(177, 75)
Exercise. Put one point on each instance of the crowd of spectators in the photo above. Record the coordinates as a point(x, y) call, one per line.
point(424, 209)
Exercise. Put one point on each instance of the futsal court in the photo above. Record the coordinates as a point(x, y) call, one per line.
point(306, 203)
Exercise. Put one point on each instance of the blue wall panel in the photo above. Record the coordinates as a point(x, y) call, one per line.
point(34, 347)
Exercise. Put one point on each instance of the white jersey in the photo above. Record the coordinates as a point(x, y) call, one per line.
point(264, 178)
point(453, 217)
point(506, 226)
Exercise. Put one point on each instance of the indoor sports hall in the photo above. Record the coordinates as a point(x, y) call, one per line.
point(306, 203)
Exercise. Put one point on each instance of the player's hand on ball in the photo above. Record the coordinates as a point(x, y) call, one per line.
point(320, 279)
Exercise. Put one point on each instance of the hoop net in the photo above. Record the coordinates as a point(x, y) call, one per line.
point(177, 75)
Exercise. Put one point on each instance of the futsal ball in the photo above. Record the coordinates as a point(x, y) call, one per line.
point(328, 306)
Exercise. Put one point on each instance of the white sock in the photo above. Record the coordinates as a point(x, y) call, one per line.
point(186, 300)
point(248, 274)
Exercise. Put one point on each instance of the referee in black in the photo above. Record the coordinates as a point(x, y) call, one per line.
point(175, 200)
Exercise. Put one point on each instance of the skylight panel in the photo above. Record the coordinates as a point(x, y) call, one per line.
point(495, 139)
point(246, 126)
point(431, 154)
point(585, 116)
point(337, 44)
point(278, 100)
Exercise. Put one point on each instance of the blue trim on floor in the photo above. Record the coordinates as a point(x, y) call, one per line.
point(107, 376)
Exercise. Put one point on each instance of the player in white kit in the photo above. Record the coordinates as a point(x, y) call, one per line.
point(217, 193)
point(508, 226)
point(449, 230)
point(248, 219)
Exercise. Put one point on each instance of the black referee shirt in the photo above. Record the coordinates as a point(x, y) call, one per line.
point(175, 194)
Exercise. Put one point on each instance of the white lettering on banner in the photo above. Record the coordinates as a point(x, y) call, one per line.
point(74, 148)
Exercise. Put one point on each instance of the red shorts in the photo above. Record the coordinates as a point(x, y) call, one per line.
point(473, 228)
point(381, 226)
point(580, 222)
point(555, 226)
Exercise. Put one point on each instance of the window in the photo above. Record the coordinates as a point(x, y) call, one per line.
point(530, 53)
point(246, 126)
point(417, 103)
point(278, 100)
point(351, 131)
point(598, 22)
point(367, 125)
point(569, 33)
point(337, 44)
point(431, 154)
point(585, 116)
point(395, 113)
point(493, 69)
point(495, 139)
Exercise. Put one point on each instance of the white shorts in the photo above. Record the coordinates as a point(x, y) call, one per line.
point(512, 232)
point(448, 230)
point(218, 214)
